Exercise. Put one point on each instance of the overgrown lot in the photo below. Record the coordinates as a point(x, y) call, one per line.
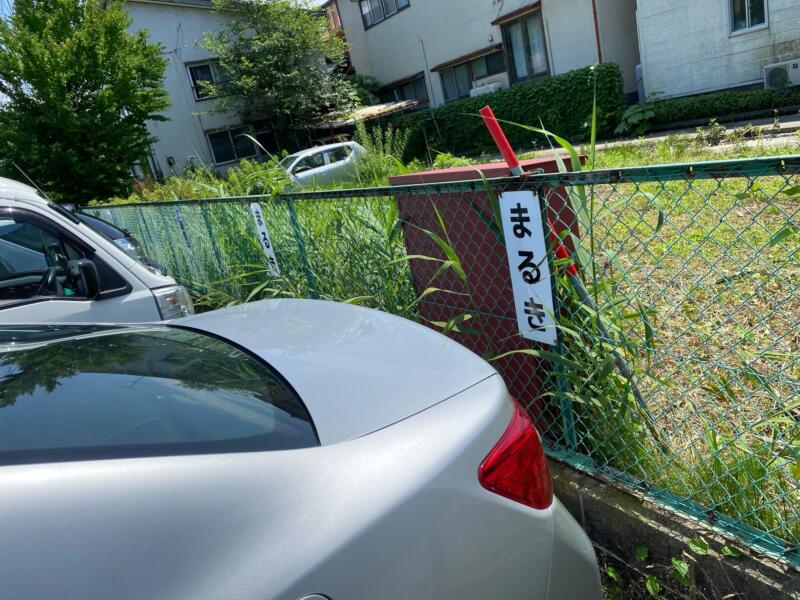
point(700, 280)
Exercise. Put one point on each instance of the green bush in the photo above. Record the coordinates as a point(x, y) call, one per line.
point(719, 104)
point(562, 103)
point(445, 160)
point(385, 147)
point(637, 119)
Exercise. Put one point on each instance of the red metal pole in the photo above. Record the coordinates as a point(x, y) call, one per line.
point(501, 141)
point(510, 157)
point(561, 251)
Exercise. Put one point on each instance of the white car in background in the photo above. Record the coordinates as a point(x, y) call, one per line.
point(324, 165)
point(54, 267)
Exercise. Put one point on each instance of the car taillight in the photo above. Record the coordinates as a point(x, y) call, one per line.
point(517, 467)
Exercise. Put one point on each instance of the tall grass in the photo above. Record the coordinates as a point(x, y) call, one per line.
point(246, 179)
point(743, 463)
point(385, 147)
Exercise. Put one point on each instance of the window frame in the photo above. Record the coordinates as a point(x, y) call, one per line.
point(215, 77)
point(248, 129)
point(322, 153)
point(385, 16)
point(264, 127)
point(69, 237)
point(749, 28)
point(510, 67)
point(329, 154)
point(393, 89)
point(470, 73)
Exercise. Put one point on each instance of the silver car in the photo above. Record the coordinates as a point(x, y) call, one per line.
point(324, 165)
point(286, 450)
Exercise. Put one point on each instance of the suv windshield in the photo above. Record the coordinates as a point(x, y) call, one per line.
point(79, 393)
point(112, 232)
point(119, 238)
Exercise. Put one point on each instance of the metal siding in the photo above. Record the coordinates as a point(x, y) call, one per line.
point(687, 47)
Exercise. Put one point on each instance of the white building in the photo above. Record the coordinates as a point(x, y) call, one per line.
point(693, 46)
point(430, 50)
point(438, 50)
point(194, 134)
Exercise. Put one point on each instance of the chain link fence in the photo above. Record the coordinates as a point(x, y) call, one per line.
point(678, 366)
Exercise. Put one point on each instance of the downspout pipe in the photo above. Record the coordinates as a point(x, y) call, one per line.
point(597, 32)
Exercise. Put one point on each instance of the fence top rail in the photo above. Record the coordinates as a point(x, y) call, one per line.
point(748, 167)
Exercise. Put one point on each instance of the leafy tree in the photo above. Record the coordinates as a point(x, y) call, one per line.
point(75, 91)
point(279, 59)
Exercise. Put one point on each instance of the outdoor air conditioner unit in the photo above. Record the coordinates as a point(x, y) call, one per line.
point(485, 88)
point(783, 74)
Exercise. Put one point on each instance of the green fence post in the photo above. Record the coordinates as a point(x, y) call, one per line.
point(182, 225)
point(301, 248)
point(148, 235)
point(170, 242)
point(211, 237)
point(562, 384)
point(146, 228)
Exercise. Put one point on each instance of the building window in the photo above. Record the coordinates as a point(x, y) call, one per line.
point(410, 90)
point(526, 47)
point(458, 81)
point(748, 14)
point(264, 133)
point(375, 11)
point(209, 72)
point(230, 145)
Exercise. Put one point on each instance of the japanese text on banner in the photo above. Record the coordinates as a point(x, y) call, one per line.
point(527, 261)
point(263, 237)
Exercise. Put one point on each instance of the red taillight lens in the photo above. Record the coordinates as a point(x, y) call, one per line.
point(517, 467)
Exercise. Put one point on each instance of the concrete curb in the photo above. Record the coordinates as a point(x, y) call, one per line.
point(618, 522)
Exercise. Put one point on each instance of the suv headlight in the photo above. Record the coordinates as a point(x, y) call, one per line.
point(174, 302)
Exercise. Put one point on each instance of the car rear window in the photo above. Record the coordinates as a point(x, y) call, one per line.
point(84, 393)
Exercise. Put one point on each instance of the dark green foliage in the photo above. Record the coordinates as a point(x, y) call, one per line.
point(637, 119)
point(718, 104)
point(78, 90)
point(563, 104)
point(367, 87)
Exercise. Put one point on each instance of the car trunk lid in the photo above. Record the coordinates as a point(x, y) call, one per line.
point(356, 369)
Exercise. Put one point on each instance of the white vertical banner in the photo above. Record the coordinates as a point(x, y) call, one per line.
point(527, 261)
point(263, 237)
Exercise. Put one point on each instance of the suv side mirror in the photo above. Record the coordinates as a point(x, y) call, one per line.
point(84, 271)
